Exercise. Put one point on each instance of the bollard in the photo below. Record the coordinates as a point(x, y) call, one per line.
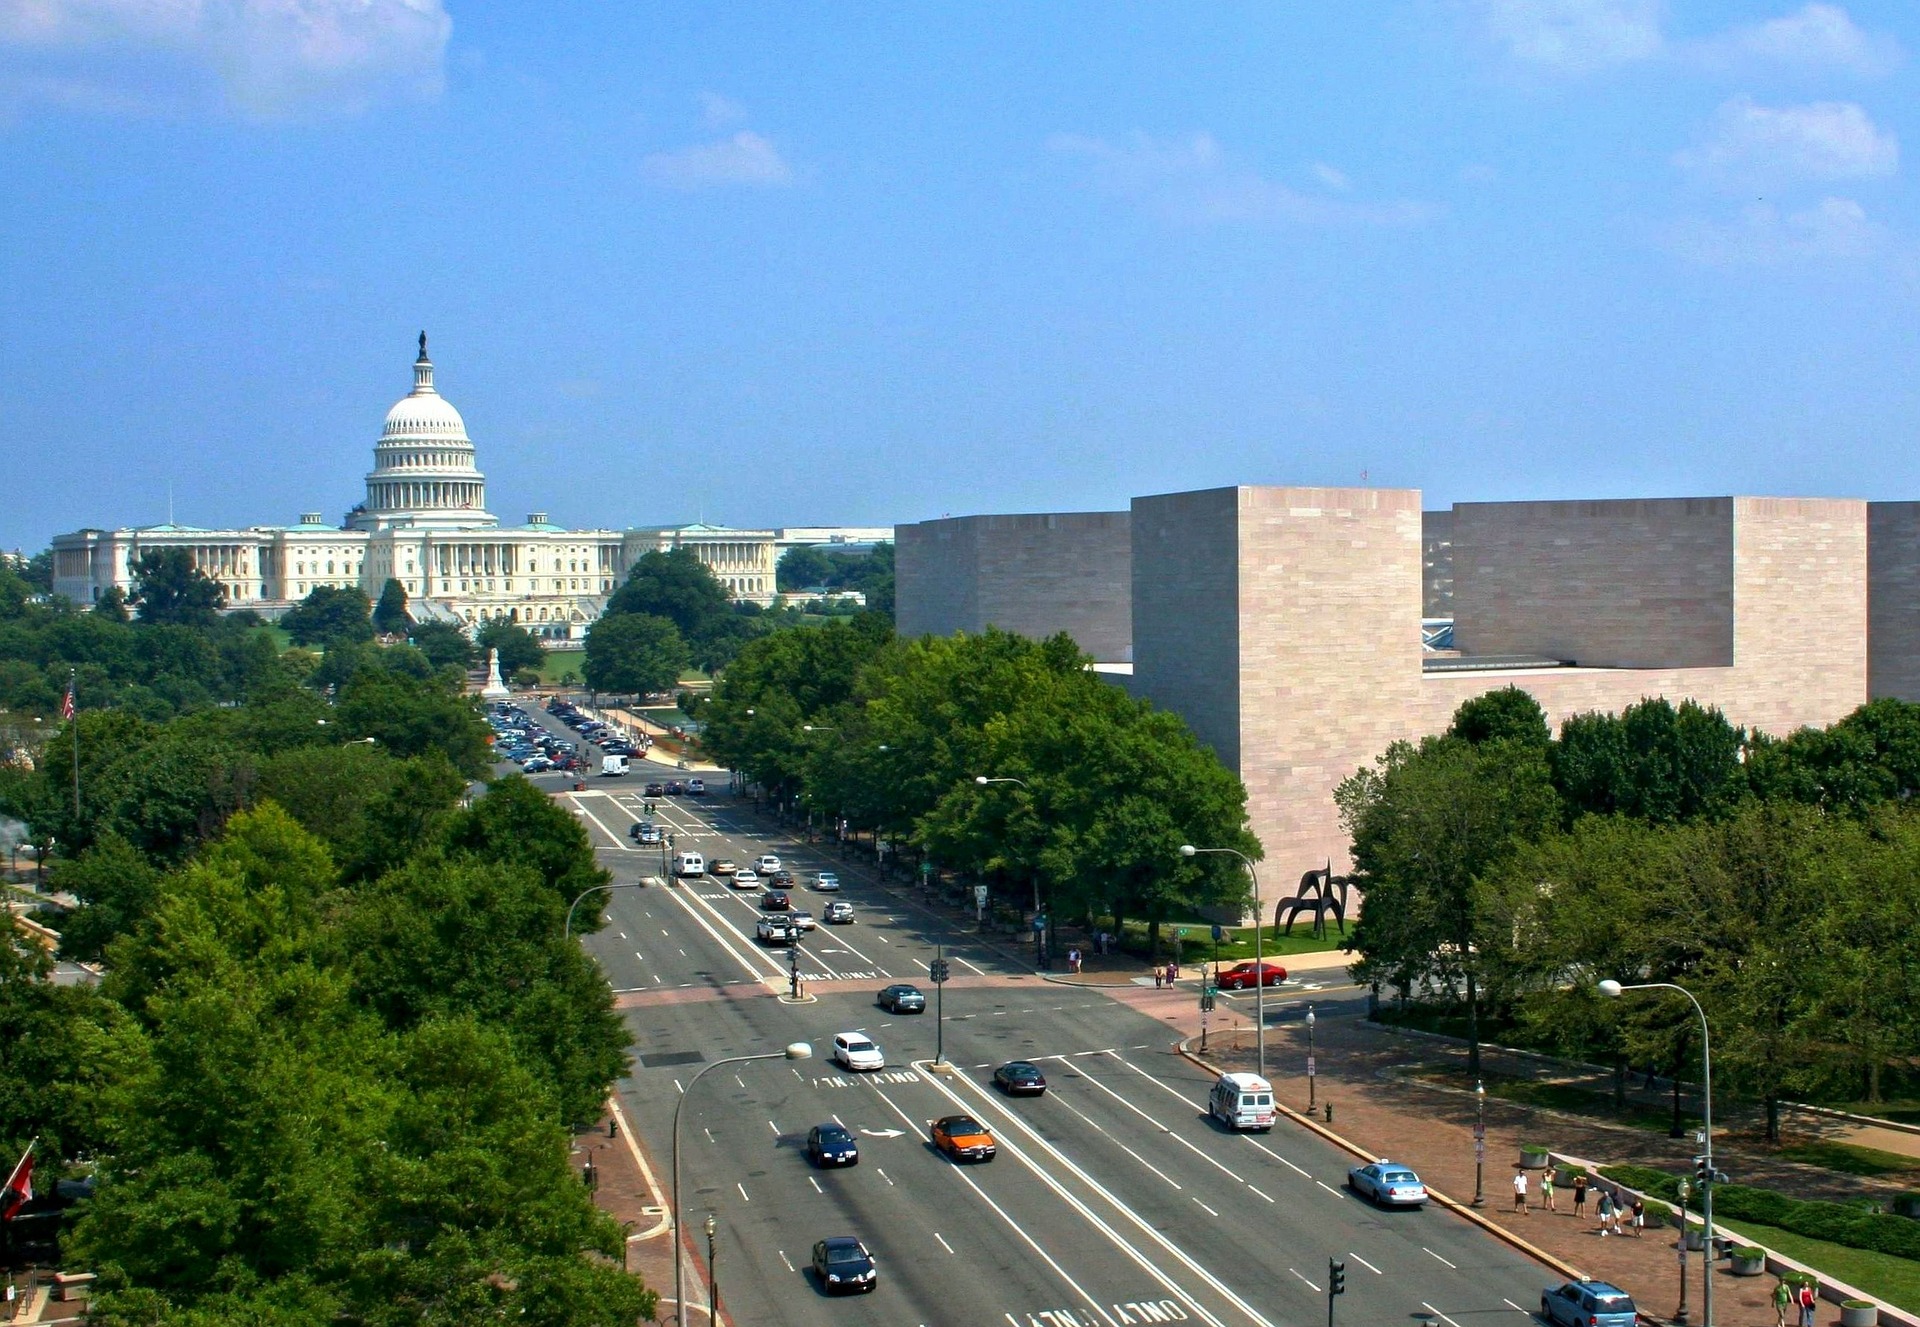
point(1329, 1112)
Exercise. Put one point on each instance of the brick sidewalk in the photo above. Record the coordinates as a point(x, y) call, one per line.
point(622, 1190)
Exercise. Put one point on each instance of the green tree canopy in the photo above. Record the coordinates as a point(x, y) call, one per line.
point(444, 644)
point(519, 651)
point(634, 653)
point(390, 616)
point(169, 588)
point(329, 616)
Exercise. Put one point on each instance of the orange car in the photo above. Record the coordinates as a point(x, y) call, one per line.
point(963, 1138)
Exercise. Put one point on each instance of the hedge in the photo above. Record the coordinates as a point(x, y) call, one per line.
point(1836, 1223)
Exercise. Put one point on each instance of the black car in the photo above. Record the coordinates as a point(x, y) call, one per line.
point(653, 790)
point(903, 998)
point(1017, 1078)
point(675, 788)
point(843, 1264)
point(831, 1145)
point(775, 900)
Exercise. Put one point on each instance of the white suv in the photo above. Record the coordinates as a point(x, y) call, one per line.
point(853, 1050)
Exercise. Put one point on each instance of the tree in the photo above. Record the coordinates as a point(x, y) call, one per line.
point(801, 568)
point(39, 571)
point(1508, 714)
point(168, 588)
point(329, 616)
point(411, 716)
point(390, 617)
point(444, 644)
point(675, 585)
point(1651, 761)
point(635, 653)
point(112, 605)
point(519, 651)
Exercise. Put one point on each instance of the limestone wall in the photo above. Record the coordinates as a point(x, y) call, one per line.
point(1187, 611)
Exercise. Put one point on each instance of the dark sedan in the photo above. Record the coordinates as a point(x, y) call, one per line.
point(903, 998)
point(831, 1145)
point(843, 1264)
point(1020, 1079)
point(775, 900)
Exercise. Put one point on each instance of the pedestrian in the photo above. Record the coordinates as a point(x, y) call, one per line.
point(1546, 1190)
point(1173, 974)
point(1520, 1191)
point(1159, 977)
point(1580, 1195)
point(1639, 1217)
point(1808, 1302)
point(1782, 1300)
point(1605, 1208)
point(1073, 960)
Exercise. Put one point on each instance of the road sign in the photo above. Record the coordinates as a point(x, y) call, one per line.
point(979, 896)
point(1039, 922)
point(1219, 934)
point(926, 868)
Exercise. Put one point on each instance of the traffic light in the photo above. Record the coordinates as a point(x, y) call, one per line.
point(1702, 1169)
point(938, 970)
point(1336, 1277)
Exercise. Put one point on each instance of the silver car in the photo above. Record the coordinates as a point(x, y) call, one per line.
point(1388, 1183)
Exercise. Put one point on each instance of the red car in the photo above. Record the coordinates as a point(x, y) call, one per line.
point(1240, 976)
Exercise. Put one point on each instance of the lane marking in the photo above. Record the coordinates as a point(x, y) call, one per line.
point(1375, 1270)
point(1316, 1289)
point(743, 1193)
point(1510, 1304)
point(1437, 1313)
point(1257, 1191)
point(1329, 1188)
point(943, 1243)
point(618, 842)
point(1223, 1169)
point(1431, 1254)
point(1062, 1101)
point(783, 1258)
point(1208, 1210)
point(776, 1128)
point(816, 1185)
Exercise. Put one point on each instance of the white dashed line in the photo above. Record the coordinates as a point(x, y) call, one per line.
point(745, 1199)
point(816, 1184)
point(943, 1243)
point(1330, 1189)
point(1436, 1312)
point(1375, 1270)
point(1208, 1210)
point(1316, 1289)
point(1431, 1254)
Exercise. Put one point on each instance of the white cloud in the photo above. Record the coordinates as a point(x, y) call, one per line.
point(1332, 176)
point(1576, 36)
point(744, 159)
point(717, 112)
point(1754, 146)
point(265, 58)
point(1815, 37)
point(1834, 229)
point(1193, 180)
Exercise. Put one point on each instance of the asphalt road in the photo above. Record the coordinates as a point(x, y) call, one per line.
point(1114, 1199)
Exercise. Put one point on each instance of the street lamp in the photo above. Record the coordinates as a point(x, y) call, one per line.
point(798, 1050)
point(713, 1273)
point(1259, 968)
point(1309, 1059)
point(1479, 1143)
point(1039, 934)
point(567, 932)
point(1613, 990)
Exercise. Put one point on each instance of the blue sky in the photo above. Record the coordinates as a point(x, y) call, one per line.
point(778, 264)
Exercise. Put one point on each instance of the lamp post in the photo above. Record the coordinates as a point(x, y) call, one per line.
point(1309, 1059)
point(1613, 990)
point(1479, 1143)
point(1259, 968)
point(798, 1050)
point(713, 1273)
point(1040, 934)
point(567, 932)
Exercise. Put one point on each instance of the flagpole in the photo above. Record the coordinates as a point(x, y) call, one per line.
point(73, 716)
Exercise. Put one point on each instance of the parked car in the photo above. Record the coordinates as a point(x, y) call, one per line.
point(1588, 1304)
point(855, 1050)
point(843, 1264)
point(826, 882)
point(1018, 1078)
point(837, 913)
point(1388, 1183)
point(832, 1145)
point(963, 1138)
point(1242, 976)
point(903, 998)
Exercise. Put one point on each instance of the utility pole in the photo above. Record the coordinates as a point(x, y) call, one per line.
point(713, 1274)
point(937, 973)
point(1336, 1284)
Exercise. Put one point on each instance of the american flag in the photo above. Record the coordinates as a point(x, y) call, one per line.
point(19, 1187)
point(66, 701)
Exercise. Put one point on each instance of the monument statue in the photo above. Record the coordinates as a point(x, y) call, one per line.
point(495, 689)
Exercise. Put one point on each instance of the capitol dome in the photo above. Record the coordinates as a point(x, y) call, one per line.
point(423, 466)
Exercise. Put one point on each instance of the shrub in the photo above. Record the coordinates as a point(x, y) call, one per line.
point(1837, 1223)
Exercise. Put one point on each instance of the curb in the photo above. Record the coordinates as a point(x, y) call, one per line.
point(1498, 1231)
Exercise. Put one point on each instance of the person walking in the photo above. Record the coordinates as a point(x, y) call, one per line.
point(1520, 1192)
point(1580, 1196)
point(1782, 1301)
point(1546, 1190)
point(1605, 1209)
point(1808, 1303)
point(1159, 977)
point(1639, 1217)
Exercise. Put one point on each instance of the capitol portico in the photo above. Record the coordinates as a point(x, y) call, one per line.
point(424, 523)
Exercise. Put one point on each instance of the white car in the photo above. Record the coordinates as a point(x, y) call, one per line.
point(853, 1050)
point(744, 878)
point(800, 919)
point(767, 864)
point(826, 882)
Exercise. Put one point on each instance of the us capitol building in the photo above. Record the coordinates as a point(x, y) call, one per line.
point(425, 524)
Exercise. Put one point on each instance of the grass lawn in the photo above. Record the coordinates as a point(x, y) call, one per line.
point(1896, 1280)
point(1236, 945)
point(558, 663)
point(1851, 1159)
point(1572, 1098)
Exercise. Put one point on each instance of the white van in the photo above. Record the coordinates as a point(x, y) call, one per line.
point(613, 765)
point(690, 863)
point(1242, 1101)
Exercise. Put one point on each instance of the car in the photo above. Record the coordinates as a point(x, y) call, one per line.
point(744, 878)
point(827, 882)
point(774, 900)
point(639, 827)
point(855, 1050)
point(903, 998)
point(722, 866)
point(1017, 1078)
point(696, 787)
point(537, 765)
point(675, 788)
point(653, 790)
point(1588, 1304)
point(767, 862)
point(1388, 1183)
point(782, 879)
point(963, 1138)
point(800, 919)
point(776, 931)
point(837, 913)
point(1241, 976)
point(649, 834)
point(831, 1145)
point(843, 1265)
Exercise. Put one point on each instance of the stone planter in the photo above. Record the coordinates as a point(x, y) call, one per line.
point(1533, 1158)
point(1563, 1175)
point(1749, 1262)
point(1858, 1313)
point(1696, 1239)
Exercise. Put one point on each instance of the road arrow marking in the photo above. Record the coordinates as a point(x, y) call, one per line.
point(881, 1133)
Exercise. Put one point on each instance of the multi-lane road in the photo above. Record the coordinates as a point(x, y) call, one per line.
point(1113, 1200)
